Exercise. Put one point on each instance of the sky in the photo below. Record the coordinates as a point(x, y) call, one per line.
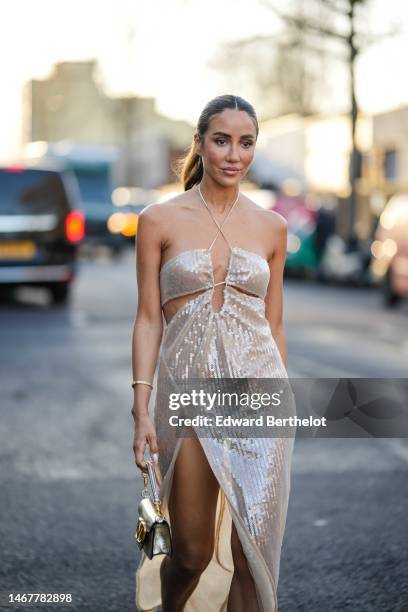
point(162, 49)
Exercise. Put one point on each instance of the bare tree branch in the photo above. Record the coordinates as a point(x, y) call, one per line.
point(364, 41)
point(334, 6)
point(303, 24)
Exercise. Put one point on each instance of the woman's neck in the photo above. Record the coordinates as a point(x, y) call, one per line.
point(218, 197)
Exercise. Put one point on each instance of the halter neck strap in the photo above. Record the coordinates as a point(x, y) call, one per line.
point(216, 222)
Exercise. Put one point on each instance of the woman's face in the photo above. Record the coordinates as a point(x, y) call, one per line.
point(228, 147)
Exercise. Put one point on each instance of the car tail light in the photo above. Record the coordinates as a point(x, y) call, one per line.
point(75, 226)
point(14, 169)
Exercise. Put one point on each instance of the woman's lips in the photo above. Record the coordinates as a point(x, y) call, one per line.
point(230, 172)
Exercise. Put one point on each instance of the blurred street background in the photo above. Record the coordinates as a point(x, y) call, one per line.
point(99, 100)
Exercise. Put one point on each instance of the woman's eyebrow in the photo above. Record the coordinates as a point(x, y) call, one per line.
point(229, 135)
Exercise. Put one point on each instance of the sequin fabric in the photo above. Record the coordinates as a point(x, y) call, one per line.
point(254, 474)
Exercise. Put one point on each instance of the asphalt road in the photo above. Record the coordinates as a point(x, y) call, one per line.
point(69, 486)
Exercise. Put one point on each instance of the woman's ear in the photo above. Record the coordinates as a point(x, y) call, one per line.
point(197, 142)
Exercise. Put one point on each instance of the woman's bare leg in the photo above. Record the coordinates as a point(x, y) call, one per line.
point(242, 595)
point(192, 508)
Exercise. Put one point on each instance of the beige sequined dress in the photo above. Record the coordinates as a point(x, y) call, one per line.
point(254, 474)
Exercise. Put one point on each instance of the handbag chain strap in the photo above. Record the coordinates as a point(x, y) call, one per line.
point(153, 483)
point(145, 490)
point(151, 476)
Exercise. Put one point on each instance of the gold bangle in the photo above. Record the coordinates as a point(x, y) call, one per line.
point(141, 382)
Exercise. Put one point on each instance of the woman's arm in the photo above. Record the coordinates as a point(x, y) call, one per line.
point(274, 296)
point(147, 328)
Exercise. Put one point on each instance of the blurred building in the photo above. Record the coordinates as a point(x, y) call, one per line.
point(390, 151)
point(72, 105)
point(317, 148)
point(315, 151)
point(283, 141)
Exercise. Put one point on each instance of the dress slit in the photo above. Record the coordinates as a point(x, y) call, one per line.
point(148, 572)
point(225, 516)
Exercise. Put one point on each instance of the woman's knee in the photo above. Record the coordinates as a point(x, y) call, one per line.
point(191, 557)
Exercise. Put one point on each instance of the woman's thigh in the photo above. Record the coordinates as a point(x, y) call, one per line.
point(192, 503)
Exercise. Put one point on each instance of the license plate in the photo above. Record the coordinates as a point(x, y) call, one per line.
point(17, 250)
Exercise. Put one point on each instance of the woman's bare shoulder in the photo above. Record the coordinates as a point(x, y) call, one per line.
point(158, 215)
point(161, 210)
point(277, 221)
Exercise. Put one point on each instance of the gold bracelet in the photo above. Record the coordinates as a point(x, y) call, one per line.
point(141, 382)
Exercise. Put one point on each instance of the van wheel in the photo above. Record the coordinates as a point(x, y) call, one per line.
point(60, 293)
point(390, 298)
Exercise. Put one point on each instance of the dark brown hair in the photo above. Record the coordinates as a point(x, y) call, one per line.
point(189, 169)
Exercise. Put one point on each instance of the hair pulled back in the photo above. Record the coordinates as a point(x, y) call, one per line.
point(189, 169)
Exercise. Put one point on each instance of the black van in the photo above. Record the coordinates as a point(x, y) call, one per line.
point(40, 228)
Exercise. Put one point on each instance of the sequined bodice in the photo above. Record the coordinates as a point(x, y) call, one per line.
point(191, 271)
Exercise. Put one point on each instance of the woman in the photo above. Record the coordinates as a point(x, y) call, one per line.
point(212, 261)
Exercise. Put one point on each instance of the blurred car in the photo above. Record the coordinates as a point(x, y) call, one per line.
point(92, 166)
point(129, 202)
point(389, 264)
point(302, 256)
point(96, 203)
point(344, 263)
point(40, 228)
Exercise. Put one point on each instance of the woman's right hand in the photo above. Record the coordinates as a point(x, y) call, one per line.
point(145, 433)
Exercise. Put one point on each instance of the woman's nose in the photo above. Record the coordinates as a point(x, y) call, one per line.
point(233, 153)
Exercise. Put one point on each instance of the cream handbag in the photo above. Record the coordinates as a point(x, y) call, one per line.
point(152, 530)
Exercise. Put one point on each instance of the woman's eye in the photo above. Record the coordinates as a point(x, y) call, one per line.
point(222, 141)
